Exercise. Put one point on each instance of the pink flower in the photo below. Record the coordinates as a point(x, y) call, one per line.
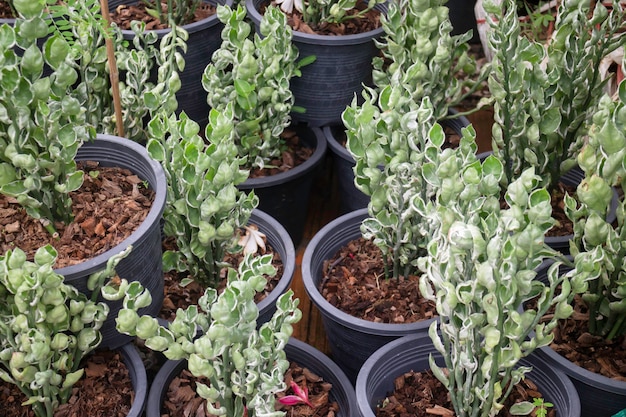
point(300, 396)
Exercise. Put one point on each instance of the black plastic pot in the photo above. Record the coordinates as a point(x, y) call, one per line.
point(280, 241)
point(137, 372)
point(463, 18)
point(352, 340)
point(411, 353)
point(204, 39)
point(600, 396)
point(351, 198)
point(297, 351)
point(144, 263)
point(285, 196)
point(343, 64)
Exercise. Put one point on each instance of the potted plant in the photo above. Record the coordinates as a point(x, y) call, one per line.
point(243, 365)
point(391, 220)
point(206, 211)
point(342, 63)
point(252, 72)
point(545, 95)
point(479, 269)
point(203, 38)
point(418, 50)
point(49, 329)
point(598, 268)
point(46, 135)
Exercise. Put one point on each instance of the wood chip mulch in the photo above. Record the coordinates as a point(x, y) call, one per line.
point(421, 394)
point(123, 15)
point(354, 281)
point(104, 391)
point(110, 205)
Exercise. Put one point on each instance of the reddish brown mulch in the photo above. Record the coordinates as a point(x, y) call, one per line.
point(123, 15)
point(421, 394)
point(5, 10)
point(104, 391)
point(177, 296)
point(296, 154)
point(354, 282)
point(368, 22)
point(564, 225)
point(181, 399)
point(107, 209)
point(573, 341)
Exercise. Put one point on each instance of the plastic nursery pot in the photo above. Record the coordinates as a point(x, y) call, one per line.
point(352, 198)
point(204, 39)
point(280, 241)
point(600, 396)
point(305, 355)
point(144, 262)
point(285, 196)
point(411, 353)
point(137, 372)
point(342, 65)
point(352, 340)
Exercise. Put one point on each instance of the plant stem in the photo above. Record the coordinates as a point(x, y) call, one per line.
point(113, 70)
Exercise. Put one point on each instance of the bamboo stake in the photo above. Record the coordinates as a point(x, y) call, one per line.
point(113, 72)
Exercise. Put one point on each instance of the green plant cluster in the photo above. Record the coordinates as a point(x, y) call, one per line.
point(420, 54)
point(178, 12)
point(47, 327)
point(545, 94)
point(480, 270)
point(318, 12)
point(254, 75)
point(244, 365)
point(598, 246)
point(38, 171)
point(205, 208)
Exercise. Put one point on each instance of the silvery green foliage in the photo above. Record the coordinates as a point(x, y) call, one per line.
point(180, 12)
point(598, 247)
point(244, 365)
point(46, 327)
point(205, 207)
point(396, 154)
point(545, 95)
point(253, 74)
point(480, 270)
point(41, 125)
point(419, 53)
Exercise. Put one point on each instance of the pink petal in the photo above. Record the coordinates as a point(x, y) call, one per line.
point(290, 400)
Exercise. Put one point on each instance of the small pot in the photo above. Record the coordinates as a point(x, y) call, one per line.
point(352, 340)
point(144, 263)
point(296, 351)
point(342, 65)
point(204, 39)
point(411, 353)
point(285, 196)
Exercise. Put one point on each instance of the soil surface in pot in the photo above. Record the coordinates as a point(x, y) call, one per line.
point(573, 341)
point(105, 390)
point(177, 296)
point(123, 15)
point(421, 394)
point(354, 282)
point(5, 11)
point(368, 22)
point(181, 399)
point(295, 153)
point(110, 205)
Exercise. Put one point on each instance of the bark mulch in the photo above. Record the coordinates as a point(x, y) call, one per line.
point(354, 281)
point(123, 15)
point(181, 399)
point(109, 207)
point(421, 394)
point(105, 390)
